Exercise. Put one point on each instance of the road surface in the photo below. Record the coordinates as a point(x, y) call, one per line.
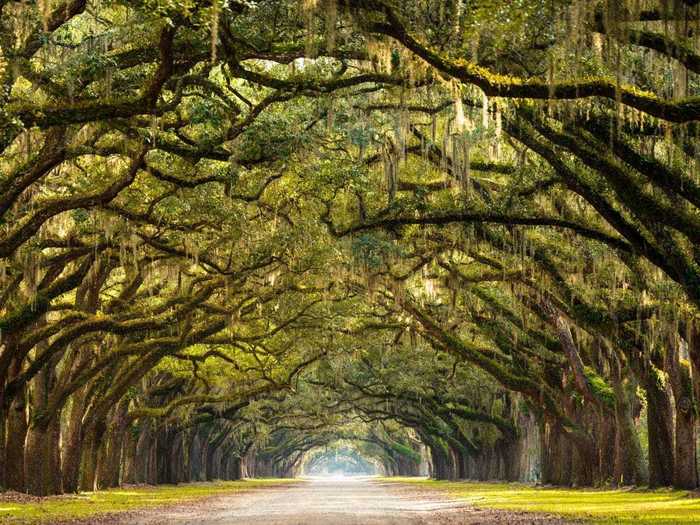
point(350, 501)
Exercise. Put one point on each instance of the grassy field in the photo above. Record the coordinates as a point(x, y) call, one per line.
point(641, 507)
point(91, 504)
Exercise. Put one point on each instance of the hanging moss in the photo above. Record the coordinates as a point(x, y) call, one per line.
point(600, 388)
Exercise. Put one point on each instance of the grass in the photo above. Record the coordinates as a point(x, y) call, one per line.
point(92, 504)
point(624, 506)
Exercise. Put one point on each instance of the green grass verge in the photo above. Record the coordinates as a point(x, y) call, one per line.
point(91, 504)
point(641, 507)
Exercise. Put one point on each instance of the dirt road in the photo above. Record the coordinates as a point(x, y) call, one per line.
point(351, 501)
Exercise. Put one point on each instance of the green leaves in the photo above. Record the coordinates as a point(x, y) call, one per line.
point(205, 111)
point(372, 250)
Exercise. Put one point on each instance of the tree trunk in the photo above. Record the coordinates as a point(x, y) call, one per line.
point(14, 447)
point(41, 445)
point(141, 452)
point(40, 461)
point(3, 439)
point(443, 463)
point(236, 468)
point(55, 454)
point(73, 445)
point(110, 467)
point(694, 355)
point(204, 447)
point(129, 455)
point(628, 466)
point(557, 451)
point(91, 450)
point(152, 461)
point(685, 471)
point(211, 455)
point(660, 429)
point(167, 468)
point(584, 463)
point(195, 454)
point(565, 464)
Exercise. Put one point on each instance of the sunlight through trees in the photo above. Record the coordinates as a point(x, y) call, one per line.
point(433, 237)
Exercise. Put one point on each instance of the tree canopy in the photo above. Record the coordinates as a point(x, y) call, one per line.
point(240, 236)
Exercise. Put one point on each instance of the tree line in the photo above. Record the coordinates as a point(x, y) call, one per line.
point(234, 233)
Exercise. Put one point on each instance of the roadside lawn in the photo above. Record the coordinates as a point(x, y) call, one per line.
point(624, 506)
point(18, 508)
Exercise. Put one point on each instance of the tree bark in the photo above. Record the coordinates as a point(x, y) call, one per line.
point(56, 467)
point(141, 452)
point(92, 443)
point(628, 465)
point(660, 429)
point(694, 354)
point(16, 434)
point(38, 461)
point(73, 446)
point(42, 445)
point(210, 470)
point(129, 455)
point(109, 467)
point(3, 439)
point(685, 471)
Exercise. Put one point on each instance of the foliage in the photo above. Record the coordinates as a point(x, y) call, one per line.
point(416, 227)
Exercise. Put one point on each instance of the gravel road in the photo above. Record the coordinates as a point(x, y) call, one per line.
point(350, 501)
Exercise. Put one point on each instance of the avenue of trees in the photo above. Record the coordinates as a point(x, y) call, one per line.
point(241, 237)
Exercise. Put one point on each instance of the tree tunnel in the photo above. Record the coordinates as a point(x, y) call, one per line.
point(339, 459)
point(460, 238)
